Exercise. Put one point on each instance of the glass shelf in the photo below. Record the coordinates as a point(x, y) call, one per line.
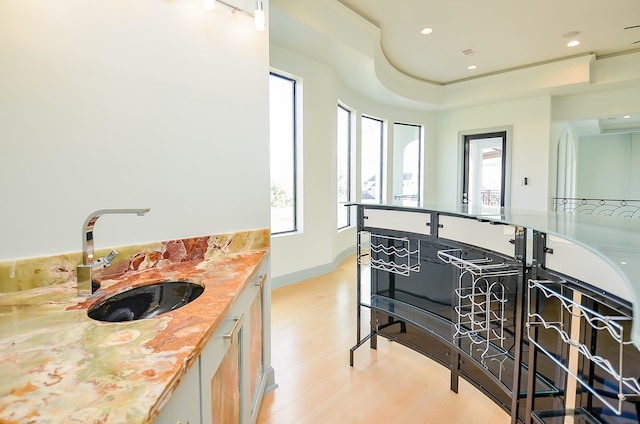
point(562, 416)
point(494, 360)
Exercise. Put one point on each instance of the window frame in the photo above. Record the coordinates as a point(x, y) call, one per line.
point(295, 152)
point(420, 155)
point(381, 145)
point(349, 161)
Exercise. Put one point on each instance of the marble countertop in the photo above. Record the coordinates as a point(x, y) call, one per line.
point(59, 365)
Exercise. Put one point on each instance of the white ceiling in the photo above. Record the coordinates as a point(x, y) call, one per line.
point(505, 34)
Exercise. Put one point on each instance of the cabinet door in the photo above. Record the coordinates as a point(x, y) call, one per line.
point(256, 350)
point(232, 364)
point(226, 384)
point(221, 373)
point(225, 365)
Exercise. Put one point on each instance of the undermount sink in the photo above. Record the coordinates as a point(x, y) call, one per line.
point(146, 301)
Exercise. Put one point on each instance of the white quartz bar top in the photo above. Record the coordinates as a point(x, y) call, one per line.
point(615, 240)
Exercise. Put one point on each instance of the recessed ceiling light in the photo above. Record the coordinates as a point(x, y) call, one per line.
point(426, 31)
point(573, 43)
point(472, 67)
point(627, 117)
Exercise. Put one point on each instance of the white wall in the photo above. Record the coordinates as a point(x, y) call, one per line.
point(634, 190)
point(602, 101)
point(605, 166)
point(529, 120)
point(129, 104)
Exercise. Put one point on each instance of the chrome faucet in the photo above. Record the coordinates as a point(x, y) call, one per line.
point(85, 271)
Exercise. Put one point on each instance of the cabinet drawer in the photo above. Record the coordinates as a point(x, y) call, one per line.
point(582, 264)
point(497, 238)
point(411, 222)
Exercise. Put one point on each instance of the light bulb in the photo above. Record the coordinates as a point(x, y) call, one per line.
point(258, 16)
point(209, 4)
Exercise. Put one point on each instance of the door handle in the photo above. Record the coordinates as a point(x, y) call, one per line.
point(233, 334)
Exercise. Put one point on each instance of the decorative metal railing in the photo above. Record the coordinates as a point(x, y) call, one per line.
point(491, 197)
point(616, 208)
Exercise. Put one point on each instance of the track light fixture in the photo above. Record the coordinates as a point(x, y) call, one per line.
point(258, 15)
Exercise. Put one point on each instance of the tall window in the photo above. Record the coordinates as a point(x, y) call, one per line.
point(407, 159)
point(282, 110)
point(371, 159)
point(344, 166)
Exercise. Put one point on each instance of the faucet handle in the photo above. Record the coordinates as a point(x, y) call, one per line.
point(106, 261)
point(103, 262)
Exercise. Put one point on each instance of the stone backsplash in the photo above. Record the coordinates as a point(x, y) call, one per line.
point(28, 273)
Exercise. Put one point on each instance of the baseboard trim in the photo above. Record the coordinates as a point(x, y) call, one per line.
point(295, 277)
point(271, 380)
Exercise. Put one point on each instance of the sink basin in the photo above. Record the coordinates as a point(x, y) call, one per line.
point(146, 301)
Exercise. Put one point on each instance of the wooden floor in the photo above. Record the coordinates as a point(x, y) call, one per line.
point(313, 328)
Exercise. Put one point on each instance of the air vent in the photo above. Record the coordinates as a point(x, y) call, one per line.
point(469, 52)
point(633, 27)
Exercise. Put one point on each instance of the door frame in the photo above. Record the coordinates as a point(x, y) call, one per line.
point(507, 130)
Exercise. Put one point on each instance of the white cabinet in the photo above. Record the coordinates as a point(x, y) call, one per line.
point(412, 222)
point(184, 405)
point(231, 381)
point(498, 238)
point(227, 383)
point(256, 350)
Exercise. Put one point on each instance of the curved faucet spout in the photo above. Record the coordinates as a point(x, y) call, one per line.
point(85, 270)
point(87, 229)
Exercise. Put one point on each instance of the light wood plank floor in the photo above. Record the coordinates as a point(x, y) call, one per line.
point(313, 328)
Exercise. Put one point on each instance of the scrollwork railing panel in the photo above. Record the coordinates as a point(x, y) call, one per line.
point(615, 208)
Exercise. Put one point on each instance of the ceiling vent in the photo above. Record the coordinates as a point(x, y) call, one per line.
point(469, 52)
point(633, 27)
